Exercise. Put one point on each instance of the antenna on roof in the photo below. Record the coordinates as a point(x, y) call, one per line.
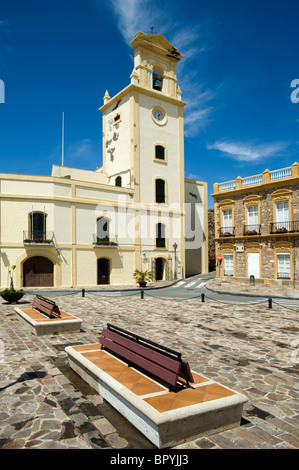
point(62, 143)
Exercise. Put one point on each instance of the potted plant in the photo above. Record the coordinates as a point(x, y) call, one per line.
point(143, 277)
point(10, 294)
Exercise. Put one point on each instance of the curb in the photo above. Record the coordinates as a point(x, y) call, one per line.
point(264, 296)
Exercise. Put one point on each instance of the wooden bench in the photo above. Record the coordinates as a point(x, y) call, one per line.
point(159, 361)
point(46, 306)
point(148, 384)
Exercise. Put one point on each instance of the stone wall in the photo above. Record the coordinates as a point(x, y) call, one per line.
point(267, 244)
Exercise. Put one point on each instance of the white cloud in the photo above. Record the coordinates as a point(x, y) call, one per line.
point(250, 152)
point(83, 149)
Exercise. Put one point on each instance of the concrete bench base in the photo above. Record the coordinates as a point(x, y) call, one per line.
point(41, 324)
point(165, 418)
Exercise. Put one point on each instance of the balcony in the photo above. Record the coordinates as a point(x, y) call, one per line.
point(285, 227)
point(104, 242)
point(38, 237)
point(252, 230)
point(227, 232)
point(264, 178)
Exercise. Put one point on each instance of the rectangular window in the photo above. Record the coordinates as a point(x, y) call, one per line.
point(227, 218)
point(228, 264)
point(252, 218)
point(283, 266)
point(160, 236)
point(282, 215)
point(227, 222)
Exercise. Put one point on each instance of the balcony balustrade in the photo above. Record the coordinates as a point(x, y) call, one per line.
point(290, 226)
point(103, 242)
point(38, 237)
point(227, 231)
point(252, 230)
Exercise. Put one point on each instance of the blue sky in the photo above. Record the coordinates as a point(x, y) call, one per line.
point(240, 59)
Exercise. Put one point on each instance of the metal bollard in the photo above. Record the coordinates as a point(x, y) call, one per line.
point(270, 303)
point(142, 294)
point(203, 297)
point(83, 292)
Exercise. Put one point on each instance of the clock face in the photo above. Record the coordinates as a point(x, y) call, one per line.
point(158, 115)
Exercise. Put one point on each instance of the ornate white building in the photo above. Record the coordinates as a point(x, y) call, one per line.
point(85, 228)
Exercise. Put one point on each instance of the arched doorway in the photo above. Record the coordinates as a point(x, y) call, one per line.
point(160, 269)
point(38, 272)
point(103, 271)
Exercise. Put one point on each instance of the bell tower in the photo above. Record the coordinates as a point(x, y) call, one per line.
point(143, 146)
point(155, 62)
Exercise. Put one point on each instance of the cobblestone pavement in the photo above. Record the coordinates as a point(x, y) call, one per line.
point(249, 347)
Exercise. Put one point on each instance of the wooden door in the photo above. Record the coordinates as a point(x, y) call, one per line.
point(103, 271)
point(159, 269)
point(38, 272)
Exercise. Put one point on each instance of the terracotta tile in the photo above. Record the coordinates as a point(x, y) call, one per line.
point(187, 397)
point(38, 316)
point(87, 347)
point(215, 391)
point(145, 386)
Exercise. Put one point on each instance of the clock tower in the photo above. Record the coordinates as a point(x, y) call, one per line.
point(143, 148)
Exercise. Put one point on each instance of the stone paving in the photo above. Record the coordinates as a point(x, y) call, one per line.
point(251, 348)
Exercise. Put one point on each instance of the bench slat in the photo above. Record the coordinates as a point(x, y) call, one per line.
point(146, 364)
point(46, 306)
point(144, 351)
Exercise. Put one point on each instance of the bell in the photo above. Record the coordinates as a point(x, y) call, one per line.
point(157, 84)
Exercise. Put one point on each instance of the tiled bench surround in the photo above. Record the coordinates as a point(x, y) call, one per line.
point(41, 324)
point(165, 418)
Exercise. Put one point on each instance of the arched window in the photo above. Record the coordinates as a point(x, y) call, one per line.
point(103, 229)
point(157, 80)
point(118, 181)
point(160, 235)
point(160, 191)
point(159, 152)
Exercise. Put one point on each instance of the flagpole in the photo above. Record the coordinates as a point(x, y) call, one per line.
point(62, 153)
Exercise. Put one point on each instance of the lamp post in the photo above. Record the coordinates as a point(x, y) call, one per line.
point(175, 248)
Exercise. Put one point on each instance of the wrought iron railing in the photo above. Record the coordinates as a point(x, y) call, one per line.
point(283, 275)
point(227, 231)
point(289, 226)
point(251, 230)
point(103, 241)
point(36, 237)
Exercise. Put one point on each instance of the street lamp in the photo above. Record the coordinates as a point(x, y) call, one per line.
point(175, 245)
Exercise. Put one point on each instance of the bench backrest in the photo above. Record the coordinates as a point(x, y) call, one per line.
point(46, 306)
point(158, 360)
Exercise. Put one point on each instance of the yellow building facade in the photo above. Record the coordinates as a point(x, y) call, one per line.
point(86, 228)
point(257, 227)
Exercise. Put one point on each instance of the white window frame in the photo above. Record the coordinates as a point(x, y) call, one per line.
point(228, 265)
point(284, 265)
point(282, 215)
point(253, 218)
